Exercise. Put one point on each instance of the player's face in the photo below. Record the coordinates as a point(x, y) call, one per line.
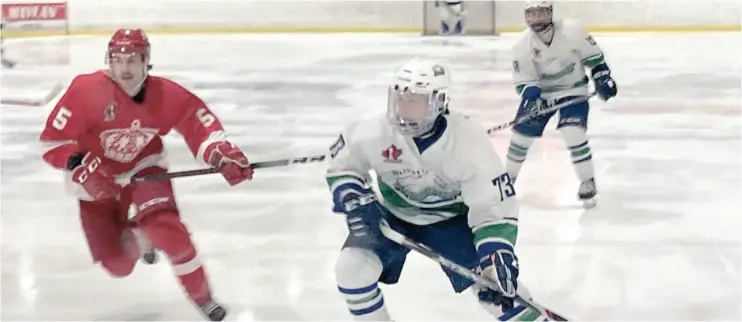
point(409, 107)
point(538, 18)
point(128, 70)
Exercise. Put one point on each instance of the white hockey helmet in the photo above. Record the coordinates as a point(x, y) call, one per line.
point(418, 95)
point(539, 15)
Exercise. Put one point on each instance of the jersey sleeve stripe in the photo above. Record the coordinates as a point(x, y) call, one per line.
point(216, 136)
point(504, 231)
point(335, 180)
point(593, 61)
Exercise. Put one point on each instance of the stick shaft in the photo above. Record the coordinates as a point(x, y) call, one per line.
point(258, 165)
point(320, 158)
point(541, 113)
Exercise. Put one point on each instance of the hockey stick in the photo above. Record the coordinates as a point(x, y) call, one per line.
point(36, 103)
point(398, 238)
point(258, 165)
point(320, 158)
point(540, 113)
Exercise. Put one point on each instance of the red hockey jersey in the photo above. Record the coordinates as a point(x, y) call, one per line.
point(96, 115)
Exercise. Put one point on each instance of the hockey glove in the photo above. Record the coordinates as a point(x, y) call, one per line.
point(604, 84)
point(95, 177)
point(530, 104)
point(499, 264)
point(362, 209)
point(228, 158)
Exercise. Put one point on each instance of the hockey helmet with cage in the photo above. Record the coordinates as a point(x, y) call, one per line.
point(417, 96)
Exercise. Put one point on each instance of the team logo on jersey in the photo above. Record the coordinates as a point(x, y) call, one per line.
point(391, 154)
point(123, 145)
point(536, 52)
point(109, 114)
point(516, 66)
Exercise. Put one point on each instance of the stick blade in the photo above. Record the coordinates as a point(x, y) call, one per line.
point(29, 101)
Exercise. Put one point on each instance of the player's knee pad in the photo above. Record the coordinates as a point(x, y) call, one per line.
point(519, 145)
point(573, 135)
point(357, 271)
point(167, 233)
point(357, 268)
point(119, 266)
point(521, 140)
point(122, 263)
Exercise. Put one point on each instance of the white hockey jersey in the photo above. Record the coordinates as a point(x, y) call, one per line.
point(558, 69)
point(458, 174)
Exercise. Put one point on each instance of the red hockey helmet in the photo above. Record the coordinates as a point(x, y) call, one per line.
point(132, 41)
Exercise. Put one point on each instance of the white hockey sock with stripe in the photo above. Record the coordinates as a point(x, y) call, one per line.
point(517, 153)
point(357, 271)
point(582, 156)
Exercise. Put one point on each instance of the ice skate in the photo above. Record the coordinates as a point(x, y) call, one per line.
point(588, 194)
point(212, 310)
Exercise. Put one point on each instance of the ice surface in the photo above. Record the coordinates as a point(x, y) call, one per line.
point(663, 244)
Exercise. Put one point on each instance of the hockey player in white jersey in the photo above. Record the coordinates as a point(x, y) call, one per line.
point(441, 184)
point(451, 14)
point(549, 62)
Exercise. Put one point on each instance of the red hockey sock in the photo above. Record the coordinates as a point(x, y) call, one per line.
point(167, 233)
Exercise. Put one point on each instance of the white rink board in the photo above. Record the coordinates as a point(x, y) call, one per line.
point(384, 15)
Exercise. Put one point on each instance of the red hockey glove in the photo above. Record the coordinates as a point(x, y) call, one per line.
point(230, 161)
point(95, 177)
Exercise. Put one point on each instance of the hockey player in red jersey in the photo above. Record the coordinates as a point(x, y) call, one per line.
point(107, 128)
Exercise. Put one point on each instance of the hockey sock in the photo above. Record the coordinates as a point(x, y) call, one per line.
point(357, 272)
point(119, 266)
point(167, 233)
point(122, 264)
point(517, 153)
point(577, 143)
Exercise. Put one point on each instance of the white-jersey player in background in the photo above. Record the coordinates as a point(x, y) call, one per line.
point(442, 185)
point(451, 14)
point(549, 62)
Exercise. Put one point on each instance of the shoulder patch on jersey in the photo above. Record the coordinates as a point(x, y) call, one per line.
point(338, 146)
